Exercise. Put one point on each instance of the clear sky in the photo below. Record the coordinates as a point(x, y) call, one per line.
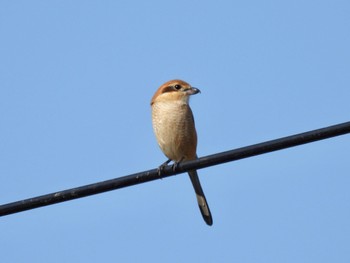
point(76, 79)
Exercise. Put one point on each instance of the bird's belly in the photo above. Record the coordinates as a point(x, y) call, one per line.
point(167, 133)
point(173, 133)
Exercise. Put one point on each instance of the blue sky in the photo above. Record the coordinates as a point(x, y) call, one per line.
point(76, 79)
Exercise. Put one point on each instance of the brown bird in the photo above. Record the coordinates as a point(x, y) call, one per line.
point(175, 131)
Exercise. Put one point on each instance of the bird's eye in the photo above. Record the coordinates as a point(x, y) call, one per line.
point(177, 86)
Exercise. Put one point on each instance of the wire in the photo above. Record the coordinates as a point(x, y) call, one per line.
point(147, 176)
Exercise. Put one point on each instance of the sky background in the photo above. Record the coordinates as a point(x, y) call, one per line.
point(76, 79)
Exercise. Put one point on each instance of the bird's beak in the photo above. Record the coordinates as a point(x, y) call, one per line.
point(192, 91)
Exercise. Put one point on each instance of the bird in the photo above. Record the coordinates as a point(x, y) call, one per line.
point(174, 128)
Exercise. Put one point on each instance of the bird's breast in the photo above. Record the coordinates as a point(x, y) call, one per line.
point(174, 129)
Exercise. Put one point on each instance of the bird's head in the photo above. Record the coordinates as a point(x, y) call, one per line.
point(174, 90)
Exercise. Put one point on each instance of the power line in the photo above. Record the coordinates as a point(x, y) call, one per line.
point(146, 176)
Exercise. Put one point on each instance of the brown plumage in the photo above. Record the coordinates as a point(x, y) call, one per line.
point(175, 131)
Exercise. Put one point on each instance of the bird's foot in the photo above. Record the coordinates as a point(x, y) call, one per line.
point(176, 164)
point(162, 166)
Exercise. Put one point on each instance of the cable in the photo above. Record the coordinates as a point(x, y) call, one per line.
point(146, 176)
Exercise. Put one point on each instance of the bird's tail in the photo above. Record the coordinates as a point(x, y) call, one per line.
point(202, 201)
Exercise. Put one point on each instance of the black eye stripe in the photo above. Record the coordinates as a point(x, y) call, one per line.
point(168, 89)
point(172, 88)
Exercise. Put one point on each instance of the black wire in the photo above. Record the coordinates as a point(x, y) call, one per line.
point(151, 175)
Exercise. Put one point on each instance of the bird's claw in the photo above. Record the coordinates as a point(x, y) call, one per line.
point(176, 164)
point(162, 166)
